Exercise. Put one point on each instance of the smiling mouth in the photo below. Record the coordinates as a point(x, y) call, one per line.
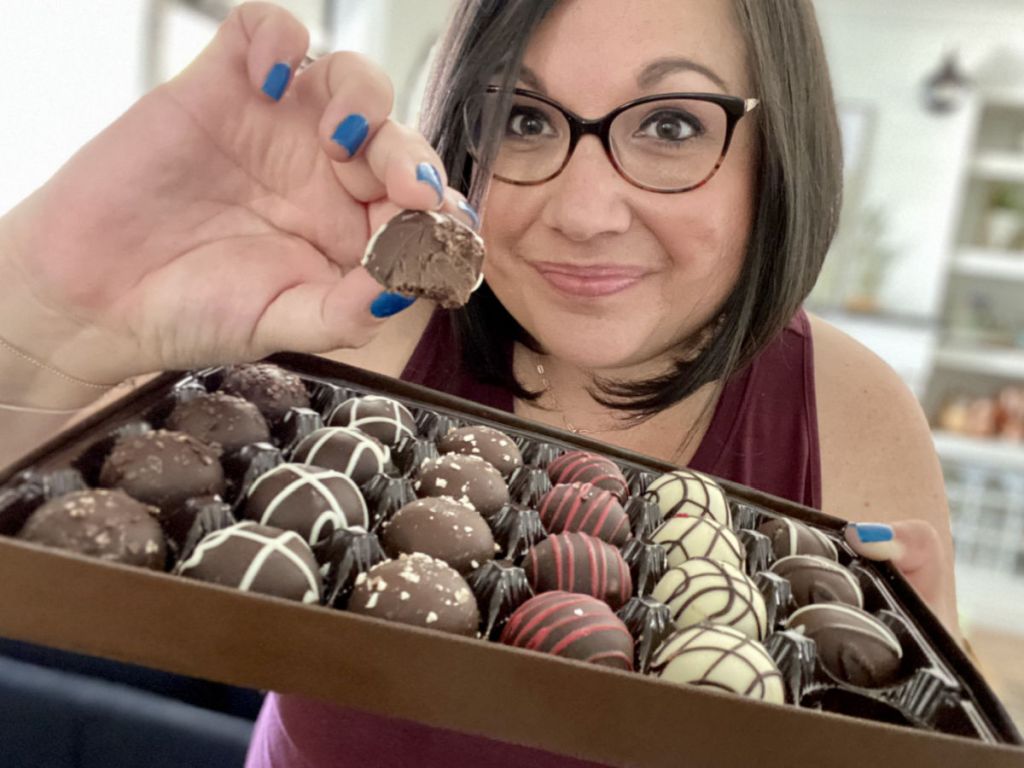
point(592, 281)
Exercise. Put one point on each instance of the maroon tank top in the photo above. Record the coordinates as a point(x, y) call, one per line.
point(764, 433)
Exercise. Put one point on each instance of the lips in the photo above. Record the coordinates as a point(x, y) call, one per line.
point(591, 281)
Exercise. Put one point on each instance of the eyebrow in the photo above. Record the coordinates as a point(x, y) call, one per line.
point(531, 79)
point(660, 68)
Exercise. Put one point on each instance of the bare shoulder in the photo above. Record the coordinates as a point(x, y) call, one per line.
point(391, 348)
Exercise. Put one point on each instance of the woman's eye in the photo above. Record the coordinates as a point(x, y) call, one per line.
point(670, 126)
point(528, 123)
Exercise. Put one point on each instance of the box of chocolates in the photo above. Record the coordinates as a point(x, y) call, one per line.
point(306, 527)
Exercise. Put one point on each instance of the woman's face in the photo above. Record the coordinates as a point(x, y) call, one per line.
point(603, 274)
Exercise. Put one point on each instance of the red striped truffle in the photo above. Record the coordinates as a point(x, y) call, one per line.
point(586, 508)
point(578, 562)
point(583, 467)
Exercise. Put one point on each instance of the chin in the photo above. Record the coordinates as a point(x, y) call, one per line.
point(595, 349)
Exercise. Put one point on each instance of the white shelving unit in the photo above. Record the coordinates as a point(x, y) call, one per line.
point(990, 263)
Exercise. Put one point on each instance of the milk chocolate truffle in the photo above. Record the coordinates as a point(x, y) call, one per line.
point(852, 644)
point(427, 254)
point(312, 501)
point(703, 590)
point(381, 417)
point(586, 508)
point(489, 444)
point(468, 479)
point(444, 529)
point(791, 537)
point(819, 580)
point(419, 590)
point(163, 468)
point(229, 421)
point(685, 537)
point(686, 492)
point(583, 467)
point(571, 625)
point(347, 450)
point(578, 562)
point(272, 389)
point(256, 558)
point(719, 657)
point(110, 525)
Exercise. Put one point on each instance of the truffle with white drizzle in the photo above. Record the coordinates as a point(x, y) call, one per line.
point(381, 417)
point(344, 449)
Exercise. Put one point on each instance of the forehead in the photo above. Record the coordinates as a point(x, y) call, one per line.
point(595, 54)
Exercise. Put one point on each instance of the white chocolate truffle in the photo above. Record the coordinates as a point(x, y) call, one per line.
point(686, 492)
point(685, 537)
point(704, 590)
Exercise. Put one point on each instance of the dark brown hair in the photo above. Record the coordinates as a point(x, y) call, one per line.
point(798, 187)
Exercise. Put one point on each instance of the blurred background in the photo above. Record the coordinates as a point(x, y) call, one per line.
point(927, 270)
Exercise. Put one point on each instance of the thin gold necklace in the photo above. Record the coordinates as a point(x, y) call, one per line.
point(555, 405)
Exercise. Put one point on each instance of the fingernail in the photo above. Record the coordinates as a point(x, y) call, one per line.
point(872, 533)
point(388, 304)
point(427, 173)
point(470, 211)
point(277, 80)
point(351, 133)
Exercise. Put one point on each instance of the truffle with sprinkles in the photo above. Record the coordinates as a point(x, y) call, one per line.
point(452, 532)
point(467, 479)
point(490, 444)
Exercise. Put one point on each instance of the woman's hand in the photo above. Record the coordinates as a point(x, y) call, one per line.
point(221, 218)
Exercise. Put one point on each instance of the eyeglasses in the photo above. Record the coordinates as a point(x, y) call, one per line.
point(672, 142)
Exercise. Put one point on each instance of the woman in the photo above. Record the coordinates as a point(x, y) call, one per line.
point(643, 284)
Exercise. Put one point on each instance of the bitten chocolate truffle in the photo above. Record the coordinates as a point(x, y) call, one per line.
point(467, 479)
point(791, 537)
point(686, 492)
point(586, 508)
point(583, 467)
point(703, 590)
point(419, 590)
point(269, 387)
point(110, 525)
point(571, 625)
point(312, 501)
point(685, 537)
point(381, 417)
point(491, 445)
point(229, 421)
point(422, 253)
point(349, 451)
point(819, 580)
point(256, 558)
point(444, 529)
point(578, 562)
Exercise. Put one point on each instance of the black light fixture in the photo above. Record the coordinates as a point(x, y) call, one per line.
point(946, 89)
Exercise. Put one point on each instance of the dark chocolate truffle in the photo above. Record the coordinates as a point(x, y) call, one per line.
point(381, 417)
point(819, 580)
point(468, 479)
point(312, 501)
point(444, 529)
point(578, 562)
point(256, 558)
point(489, 444)
point(163, 468)
point(571, 625)
point(583, 467)
point(272, 389)
point(349, 451)
point(229, 421)
point(586, 508)
point(684, 537)
point(422, 253)
point(686, 492)
point(791, 537)
point(702, 590)
point(110, 525)
point(419, 590)
point(852, 644)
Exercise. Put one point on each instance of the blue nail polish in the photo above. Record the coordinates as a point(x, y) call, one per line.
point(277, 80)
point(388, 304)
point(351, 133)
point(470, 211)
point(873, 533)
point(425, 172)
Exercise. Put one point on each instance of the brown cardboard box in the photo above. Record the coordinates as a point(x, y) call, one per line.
point(621, 719)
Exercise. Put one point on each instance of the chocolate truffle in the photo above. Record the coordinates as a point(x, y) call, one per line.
point(270, 388)
point(229, 421)
point(494, 447)
point(852, 644)
point(686, 492)
point(468, 479)
point(571, 625)
point(578, 562)
point(819, 580)
point(684, 537)
point(444, 529)
point(791, 537)
point(703, 590)
point(719, 657)
point(110, 525)
point(427, 254)
point(419, 590)
point(381, 417)
point(349, 451)
point(312, 501)
point(256, 558)
point(586, 508)
point(163, 468)
point(583, 467)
